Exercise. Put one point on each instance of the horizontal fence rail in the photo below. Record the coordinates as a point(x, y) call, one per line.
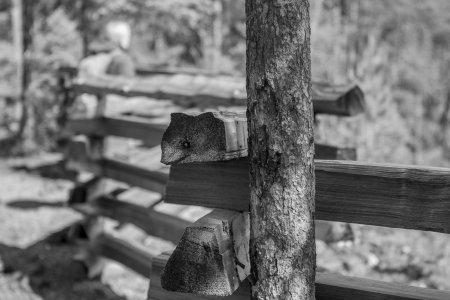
point(328, 286)
point(147, 215)
point(209, 91)
point(217, 136)
point(154, 223)
point(374, 194)
point(148, 130)
point(131, 174)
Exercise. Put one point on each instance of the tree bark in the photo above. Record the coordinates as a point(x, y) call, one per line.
point(281, 149)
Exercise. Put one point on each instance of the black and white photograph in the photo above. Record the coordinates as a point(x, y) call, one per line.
point(224, 149)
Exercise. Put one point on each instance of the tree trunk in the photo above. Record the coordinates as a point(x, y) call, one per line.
point(84, 27)
point(217, 34)
point(22, 18)
point(17, 20)
point(213, 38)
point(281, 149)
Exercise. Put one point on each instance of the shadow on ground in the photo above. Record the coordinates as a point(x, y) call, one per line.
point(53, 170)
point(34, 204)
point(47, 269)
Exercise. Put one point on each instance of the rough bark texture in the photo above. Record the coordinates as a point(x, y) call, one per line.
point(281, 149)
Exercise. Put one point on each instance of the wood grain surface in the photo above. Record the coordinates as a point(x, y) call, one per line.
point(374, 194)
point(207, 91)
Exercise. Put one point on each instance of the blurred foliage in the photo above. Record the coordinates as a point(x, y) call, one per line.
point(397, 51)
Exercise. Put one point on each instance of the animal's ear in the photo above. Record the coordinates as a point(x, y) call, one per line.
point(206, 122)
point(177, 117)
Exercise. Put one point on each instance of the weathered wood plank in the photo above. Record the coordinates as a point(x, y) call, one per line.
point(152, 180)
point(350, 101)
point(212, 257)
point(158, 224)
point(373, 194)
point(131, 256)
point(328, 286)
point(151, 132)
point(343, 100)
point(150, 71)
point(337, 287)
point(78, 158)
point(217, 136)
point(147, 130)
point(170, 227)
point(204, 91)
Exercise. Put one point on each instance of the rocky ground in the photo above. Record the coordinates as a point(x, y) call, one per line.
point(33, 267)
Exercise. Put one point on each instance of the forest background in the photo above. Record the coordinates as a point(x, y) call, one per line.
point(397, 51)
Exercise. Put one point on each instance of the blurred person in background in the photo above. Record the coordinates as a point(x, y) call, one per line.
point(109, 57)
point(121, 64)
point(110, 53)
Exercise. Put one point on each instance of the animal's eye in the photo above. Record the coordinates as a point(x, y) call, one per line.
point(185, 144)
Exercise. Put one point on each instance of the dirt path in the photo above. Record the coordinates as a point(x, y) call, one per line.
point(32, 208)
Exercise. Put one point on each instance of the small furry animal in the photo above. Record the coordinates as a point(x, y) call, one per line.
point(193, 138)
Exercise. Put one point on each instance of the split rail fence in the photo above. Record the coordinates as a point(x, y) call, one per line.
point(211, 258)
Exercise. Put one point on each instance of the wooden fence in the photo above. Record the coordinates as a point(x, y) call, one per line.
point(212, 254)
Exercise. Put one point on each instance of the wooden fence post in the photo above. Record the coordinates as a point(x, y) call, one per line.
point(281, 149)
point(94, 225)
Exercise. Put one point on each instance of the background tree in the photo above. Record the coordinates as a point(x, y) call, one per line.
point(22, 19)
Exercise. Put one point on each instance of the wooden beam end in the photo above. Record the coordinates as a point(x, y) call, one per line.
point(212, 257)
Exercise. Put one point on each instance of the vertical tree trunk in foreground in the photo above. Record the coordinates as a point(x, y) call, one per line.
point(281, 149)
